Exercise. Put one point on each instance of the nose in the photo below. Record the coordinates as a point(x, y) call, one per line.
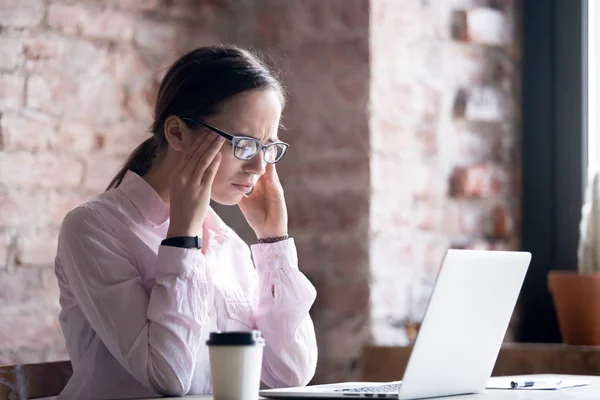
point(257, 165)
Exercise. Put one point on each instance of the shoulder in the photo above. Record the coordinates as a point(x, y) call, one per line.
point(89, 230)
point(101, 210)
point(83, 220)
point(92, 215)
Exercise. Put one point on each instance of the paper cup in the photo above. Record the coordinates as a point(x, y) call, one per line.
point(235, 364)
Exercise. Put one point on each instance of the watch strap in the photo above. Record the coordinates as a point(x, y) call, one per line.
point(186, 242)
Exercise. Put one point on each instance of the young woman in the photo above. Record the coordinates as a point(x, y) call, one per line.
point(147, 269)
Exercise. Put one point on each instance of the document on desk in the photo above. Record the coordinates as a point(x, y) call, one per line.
point(554, 382)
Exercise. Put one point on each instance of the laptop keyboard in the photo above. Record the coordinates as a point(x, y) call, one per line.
point(391, 389)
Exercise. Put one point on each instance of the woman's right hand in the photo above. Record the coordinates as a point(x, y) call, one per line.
point(190, 185)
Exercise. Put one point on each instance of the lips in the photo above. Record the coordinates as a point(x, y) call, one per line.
point(248, 185)
point(243, 187)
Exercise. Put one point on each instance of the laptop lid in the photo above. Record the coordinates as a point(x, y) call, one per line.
point(465, 323)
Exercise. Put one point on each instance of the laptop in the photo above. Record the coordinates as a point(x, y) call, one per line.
point(463, 328)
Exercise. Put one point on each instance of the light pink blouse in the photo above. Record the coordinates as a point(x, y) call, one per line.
point(136, 315)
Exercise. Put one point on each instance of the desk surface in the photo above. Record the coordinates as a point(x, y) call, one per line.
point(591, 391)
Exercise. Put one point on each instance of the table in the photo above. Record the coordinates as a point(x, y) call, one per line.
point(584, 392)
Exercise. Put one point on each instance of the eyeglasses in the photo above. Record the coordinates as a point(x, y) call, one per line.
point(246, 148)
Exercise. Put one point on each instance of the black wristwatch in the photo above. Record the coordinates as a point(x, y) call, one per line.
point(186, 242)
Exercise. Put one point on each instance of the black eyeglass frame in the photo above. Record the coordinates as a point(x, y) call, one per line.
point(236, 139)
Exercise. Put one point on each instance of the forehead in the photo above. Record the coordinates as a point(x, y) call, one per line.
point(255, 113)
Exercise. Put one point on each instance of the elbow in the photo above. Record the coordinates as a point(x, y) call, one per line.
point(296, 374)
point(301, 377)
point(167, 382)
point(304, 378)
point(174, 388)
point(309, 371)
point(305, 371)
point(306, 365)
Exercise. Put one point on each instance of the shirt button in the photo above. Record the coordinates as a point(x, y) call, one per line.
point(210, 313)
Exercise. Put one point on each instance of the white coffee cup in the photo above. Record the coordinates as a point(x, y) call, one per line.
point(235, 364)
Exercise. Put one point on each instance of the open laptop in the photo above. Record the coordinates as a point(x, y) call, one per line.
point(460, 336)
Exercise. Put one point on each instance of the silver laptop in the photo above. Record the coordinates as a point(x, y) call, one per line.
point(460, 336)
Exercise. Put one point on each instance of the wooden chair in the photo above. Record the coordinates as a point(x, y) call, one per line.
point(33, 381)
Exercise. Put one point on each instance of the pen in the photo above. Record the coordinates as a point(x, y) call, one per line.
point(515, 384)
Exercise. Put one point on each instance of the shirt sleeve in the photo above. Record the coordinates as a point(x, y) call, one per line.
point(155, 336)
point(285, 297)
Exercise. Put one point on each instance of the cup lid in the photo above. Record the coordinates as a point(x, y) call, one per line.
point(250, 338)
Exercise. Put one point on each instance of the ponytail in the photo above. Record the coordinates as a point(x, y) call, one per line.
point(139, 161)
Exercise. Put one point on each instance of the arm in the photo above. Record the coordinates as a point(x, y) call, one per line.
point(155, 337)
point(285, 296)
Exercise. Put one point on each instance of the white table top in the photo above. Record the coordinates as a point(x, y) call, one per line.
point(591, 391)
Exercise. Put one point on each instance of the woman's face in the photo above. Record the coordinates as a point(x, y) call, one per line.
point(255, 114)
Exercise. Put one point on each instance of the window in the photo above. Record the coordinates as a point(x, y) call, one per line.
point(554, 147)
point(593, 68)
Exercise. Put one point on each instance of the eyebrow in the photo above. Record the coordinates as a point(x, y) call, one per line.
point(233, 134)
point(254, 137)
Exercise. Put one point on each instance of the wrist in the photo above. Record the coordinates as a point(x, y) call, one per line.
point(186, 242)
point(271, 234)
point(182, 232)
point(273, 239)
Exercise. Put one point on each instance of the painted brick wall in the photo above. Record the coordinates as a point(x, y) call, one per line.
point(444, 137)
point(406, 111)
point(76, 83)
point(322, 49)
point(403, 120)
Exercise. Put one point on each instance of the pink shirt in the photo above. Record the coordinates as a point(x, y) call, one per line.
point(136, 315)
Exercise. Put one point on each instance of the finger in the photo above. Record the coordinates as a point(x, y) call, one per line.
point(187, 154)
point(271, 173)
point(199, 165)
point(206, 160)
point(211, 171)
point(201, 152)
point(200, 145)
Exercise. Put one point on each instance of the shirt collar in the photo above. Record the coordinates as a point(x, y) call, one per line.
point(144, 198)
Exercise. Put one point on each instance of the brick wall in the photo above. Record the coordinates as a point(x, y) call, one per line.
point(322, 49)
point(444, 145)
point(77, 80)
point(405, 111)
point(402, 120)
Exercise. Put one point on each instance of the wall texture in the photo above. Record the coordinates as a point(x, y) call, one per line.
point(77, 82)
point(402, 116)
point(322, 50)
point(444, 154)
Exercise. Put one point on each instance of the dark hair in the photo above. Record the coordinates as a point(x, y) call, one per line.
point(194, 87)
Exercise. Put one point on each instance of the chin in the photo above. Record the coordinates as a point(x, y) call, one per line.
point(227, 199)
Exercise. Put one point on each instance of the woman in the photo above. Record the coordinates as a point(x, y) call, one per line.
point(147, 269)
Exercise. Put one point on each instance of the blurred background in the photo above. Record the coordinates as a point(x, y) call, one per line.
point(407, 121)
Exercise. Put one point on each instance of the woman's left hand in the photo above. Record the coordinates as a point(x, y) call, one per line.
point(265, 209)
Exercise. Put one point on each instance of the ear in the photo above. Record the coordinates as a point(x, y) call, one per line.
point(177, 133)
